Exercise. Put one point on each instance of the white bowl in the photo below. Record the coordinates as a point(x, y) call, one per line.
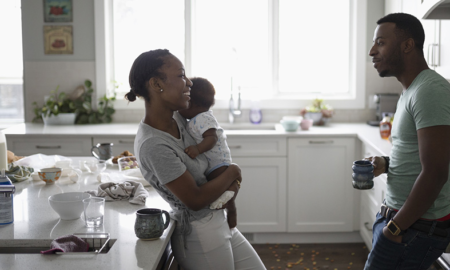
point(68, 205)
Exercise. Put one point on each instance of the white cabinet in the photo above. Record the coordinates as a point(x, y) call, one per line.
point(261, 202)
point(371, 200)
point(320, 192)
point(26, 145)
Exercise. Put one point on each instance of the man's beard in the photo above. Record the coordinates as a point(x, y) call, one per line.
point(395, 65)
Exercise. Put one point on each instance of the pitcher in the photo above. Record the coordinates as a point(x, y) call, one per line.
point(104, 151)
point(149, 223)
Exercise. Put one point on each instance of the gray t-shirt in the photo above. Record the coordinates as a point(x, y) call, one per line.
point(162, 159)
point(425, 103)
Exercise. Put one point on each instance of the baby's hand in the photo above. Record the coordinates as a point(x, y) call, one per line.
point(192, 151)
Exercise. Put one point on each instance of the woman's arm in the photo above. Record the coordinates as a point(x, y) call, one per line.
point(198, 197)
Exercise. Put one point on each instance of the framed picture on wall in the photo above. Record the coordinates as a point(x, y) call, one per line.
point(58, 39)
point(57, 10)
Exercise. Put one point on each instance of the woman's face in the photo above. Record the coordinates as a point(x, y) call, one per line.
point(176, 87)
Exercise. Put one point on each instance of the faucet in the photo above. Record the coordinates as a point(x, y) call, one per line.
point(232, 111)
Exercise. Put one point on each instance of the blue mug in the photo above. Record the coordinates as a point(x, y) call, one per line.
point(362, 174)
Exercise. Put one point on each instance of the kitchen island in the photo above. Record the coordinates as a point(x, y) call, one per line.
point(35, 219)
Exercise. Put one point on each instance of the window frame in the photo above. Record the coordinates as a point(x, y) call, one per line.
point(354, 99)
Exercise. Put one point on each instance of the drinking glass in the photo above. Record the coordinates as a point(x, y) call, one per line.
point(94, 210)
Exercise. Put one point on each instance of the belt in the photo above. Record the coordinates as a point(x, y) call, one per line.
point(430, 227)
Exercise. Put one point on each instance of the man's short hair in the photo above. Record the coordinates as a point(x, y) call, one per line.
point(408, 26)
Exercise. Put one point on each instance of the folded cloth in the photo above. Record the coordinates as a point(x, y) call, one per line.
point(127, 175)
point(18, 173)
point(128, 190)
point(68, 243)
point(223, 199)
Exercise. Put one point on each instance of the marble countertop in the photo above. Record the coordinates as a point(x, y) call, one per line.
point(367, 134)
point(35, 219)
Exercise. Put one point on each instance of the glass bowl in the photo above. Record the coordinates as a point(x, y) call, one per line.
point(127, 163)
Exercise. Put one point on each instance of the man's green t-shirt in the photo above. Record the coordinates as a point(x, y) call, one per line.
point(425, 103)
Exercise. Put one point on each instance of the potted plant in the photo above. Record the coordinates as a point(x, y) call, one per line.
point(319, 112)
point(76, 108)
point(58, 109)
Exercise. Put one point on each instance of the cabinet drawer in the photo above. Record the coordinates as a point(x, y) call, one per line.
point(121, 144)
point(367, 218)
point(67, 146)
point(257, 147)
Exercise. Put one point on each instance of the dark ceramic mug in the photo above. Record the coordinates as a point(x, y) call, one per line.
point(104, 151)
point(149, 223)
point(362, 174)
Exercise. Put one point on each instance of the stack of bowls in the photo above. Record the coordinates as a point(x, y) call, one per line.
point(291, 123)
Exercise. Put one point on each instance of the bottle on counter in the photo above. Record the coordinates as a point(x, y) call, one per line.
point(7, 190)
point(386, 126)
point(3, 153)
point(255, 113)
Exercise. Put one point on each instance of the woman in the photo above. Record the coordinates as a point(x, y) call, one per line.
point(202, 238)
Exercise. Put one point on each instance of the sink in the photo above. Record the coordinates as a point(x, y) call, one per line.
point(35, 246)
point(247, 126)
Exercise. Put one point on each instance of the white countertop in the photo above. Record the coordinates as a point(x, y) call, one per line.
point(35, 219)
point(367, 134)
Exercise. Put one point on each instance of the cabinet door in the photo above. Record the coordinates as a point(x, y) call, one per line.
point(121, 143)
point(320, 192)
point(49, 145)
point(261, 202)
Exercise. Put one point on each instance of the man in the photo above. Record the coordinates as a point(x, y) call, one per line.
point(412, 229)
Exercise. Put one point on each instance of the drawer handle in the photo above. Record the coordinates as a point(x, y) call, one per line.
point(234, 146)
point(48, 147)
point(126, 142)
point(367, 226)
point(321, 142)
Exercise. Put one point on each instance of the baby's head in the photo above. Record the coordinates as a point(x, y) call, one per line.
point(202, 97)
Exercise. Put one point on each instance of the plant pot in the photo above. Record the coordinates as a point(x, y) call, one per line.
point(60, 119)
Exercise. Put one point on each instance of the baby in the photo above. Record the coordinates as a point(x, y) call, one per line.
point(209, 136)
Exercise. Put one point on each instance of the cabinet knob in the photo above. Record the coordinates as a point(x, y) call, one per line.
point(126, 142)
point(321, 142)
point(48, 147)
point(366, 225)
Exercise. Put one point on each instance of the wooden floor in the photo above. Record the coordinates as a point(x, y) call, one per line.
point(314, 256)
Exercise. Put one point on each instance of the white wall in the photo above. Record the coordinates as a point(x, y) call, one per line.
point(42, 73)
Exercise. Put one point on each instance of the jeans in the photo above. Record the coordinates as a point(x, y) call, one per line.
point(417, 251)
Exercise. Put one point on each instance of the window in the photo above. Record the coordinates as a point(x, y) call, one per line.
point(11, 69)
point(281, 52)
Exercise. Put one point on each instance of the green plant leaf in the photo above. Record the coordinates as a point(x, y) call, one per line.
point(88, 83)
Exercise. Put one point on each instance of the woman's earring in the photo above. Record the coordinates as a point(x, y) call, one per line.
point(161, 90)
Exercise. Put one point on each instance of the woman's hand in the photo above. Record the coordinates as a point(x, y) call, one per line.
point(379, 165)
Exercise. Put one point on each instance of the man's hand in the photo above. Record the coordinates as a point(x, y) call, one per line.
point(390, 236)
point(192, 151)
point(379, 165)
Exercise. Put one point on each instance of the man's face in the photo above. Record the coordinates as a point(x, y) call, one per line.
point(386, 51)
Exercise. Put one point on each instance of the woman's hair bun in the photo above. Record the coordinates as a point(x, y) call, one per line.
point(130, 96)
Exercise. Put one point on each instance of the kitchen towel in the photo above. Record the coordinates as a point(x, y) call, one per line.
point(118, 177)
point(132, 191)
point(68, 243)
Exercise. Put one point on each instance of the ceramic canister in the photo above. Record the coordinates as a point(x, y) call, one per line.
point(149, 223)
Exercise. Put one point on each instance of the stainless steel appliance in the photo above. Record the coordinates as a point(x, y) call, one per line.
point(385, 103)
